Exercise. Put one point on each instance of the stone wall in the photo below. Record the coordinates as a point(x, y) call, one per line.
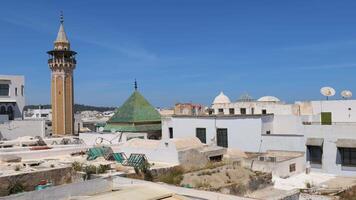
point(30, 180)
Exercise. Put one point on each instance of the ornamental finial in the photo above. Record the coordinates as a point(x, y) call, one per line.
point(135, 85)
point(62, 18)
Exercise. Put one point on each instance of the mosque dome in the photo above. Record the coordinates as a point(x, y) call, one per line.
point(221, 98)
point(269, 99)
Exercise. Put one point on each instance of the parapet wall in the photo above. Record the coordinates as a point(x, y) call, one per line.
point(19, 128)
point(30, 180)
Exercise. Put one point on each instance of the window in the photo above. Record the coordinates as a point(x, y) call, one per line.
point(268, 132)
point(348, 156)
point(22, 90)
point(170, 132)
point(252, 111)
point(326, 118)
point(243, 111)
point(10, 113)
point(201, 134)
point(2, 110)
point(264, 111)
point(222, 137)
point(211, 111)
point(4, 89)
point(292, 167)
point(16, 91)
point(221, 111)
point(231, 111)
point(315, 154)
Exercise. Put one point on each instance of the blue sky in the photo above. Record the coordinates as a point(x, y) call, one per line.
point(184, 50)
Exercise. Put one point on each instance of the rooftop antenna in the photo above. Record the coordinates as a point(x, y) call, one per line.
point(135, 85)
point(346, 94)
point(327, 91)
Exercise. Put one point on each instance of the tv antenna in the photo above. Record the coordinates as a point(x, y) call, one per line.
point(346, 94)
point(327, 91)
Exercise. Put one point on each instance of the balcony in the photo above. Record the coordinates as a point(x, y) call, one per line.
point(62, 60)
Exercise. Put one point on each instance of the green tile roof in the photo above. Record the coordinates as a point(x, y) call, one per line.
point(132, 128)
point(135, 109)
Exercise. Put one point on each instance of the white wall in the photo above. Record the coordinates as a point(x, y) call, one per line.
point(283, 142)
point(287, 124)
point(339, 108)
point(92, 138)
point(243, 132)
point(331, 133)
point(18, 128)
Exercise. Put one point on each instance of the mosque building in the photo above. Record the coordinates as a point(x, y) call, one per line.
point(136, 115)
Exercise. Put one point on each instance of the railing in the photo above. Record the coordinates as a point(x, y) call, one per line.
point(62, 60)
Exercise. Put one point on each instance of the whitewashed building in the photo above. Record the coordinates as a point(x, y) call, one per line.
point(12, 96)
point(324, 130)
point(248, 106)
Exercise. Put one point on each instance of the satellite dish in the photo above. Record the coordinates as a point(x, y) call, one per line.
point(346, 94)
point(327, 91)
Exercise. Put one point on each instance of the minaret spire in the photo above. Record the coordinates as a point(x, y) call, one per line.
point(62, 41)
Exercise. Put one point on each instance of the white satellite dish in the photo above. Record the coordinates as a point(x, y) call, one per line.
point(346, 94)
point(327, 91)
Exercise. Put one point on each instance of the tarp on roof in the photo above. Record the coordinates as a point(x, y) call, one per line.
point(315, 142)
point(346, 143)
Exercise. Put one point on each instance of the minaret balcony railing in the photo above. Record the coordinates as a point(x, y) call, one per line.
point(62, 60)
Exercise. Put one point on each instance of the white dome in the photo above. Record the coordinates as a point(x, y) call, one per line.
point(221, 98)
point(269, 99)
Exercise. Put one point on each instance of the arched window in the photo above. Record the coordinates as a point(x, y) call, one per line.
point(10, 113)
point(2, 110)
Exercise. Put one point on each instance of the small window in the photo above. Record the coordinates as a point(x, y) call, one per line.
point(348, 156)
point(170, 132)
point(243, 111)
point(292, 167)
point(326, 118)
point(252, 111)
point(201, 134)
point(221, 111)
point(315, 154)
point(4, 89)
point(16, 91)
point(268, 132)
point(211, 111)
point(231, 111)
point(22, 90)
point(264, 111)
point(222, 139)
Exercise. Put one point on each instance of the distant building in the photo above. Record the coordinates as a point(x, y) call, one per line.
point(248, 106)
point(62, 62)
point(12, 97)
point(136, 115)
point(189, 109)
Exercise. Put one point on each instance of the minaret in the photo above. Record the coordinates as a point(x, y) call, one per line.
point(62, 63)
